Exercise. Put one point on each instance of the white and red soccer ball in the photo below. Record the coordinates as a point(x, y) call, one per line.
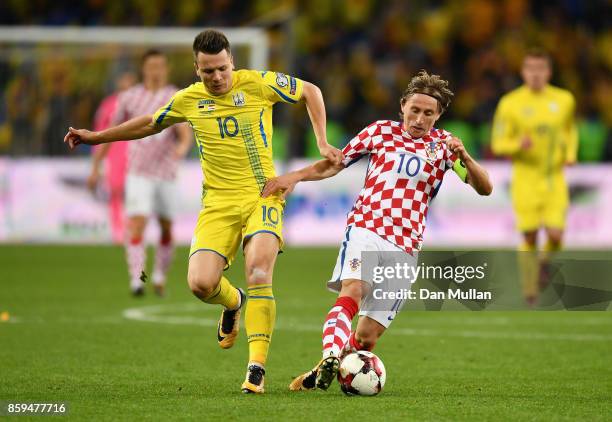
point(361, 374)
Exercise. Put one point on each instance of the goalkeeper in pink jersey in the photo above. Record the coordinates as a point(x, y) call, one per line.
point(116, 158)
point(407, 162)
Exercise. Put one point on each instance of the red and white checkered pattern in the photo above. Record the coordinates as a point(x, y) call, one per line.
point(152, 156)
point(403, 176)
point(337, 327)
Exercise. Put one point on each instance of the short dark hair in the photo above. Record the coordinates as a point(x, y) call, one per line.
point(150, 53)
point(431, 85)
point(210, 41)
point(538, 53)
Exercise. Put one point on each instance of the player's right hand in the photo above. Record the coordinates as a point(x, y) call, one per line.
point(76, 137)
point(333, 154)
point(282, 184)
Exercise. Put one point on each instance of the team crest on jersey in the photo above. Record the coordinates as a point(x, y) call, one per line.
point(354, 264)
point(238, 99)
point(432, 149)
point(553, 107)
point(282, 80)
point(206, 106)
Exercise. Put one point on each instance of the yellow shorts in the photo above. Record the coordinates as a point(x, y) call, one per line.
point(548, 216)
point(541, 210)
point(224, 223)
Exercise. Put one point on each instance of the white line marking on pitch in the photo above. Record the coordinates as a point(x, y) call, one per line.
point(160, 314)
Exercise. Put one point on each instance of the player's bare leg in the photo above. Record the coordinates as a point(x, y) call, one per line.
point(163, 256)
point(207, 283)
point(336, 332)
point(366, 334)
point(528, 267)
point(554, 242)
point(135, 251)
point(260, 254)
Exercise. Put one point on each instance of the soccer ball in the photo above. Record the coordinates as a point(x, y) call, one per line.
point(362, 374)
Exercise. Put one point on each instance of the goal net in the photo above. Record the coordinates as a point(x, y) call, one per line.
point(52, 77)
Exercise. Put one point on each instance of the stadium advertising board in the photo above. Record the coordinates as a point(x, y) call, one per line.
point(44, 200)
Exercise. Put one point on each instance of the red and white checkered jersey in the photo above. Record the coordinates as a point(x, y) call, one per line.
point(403, 175)
point(152, 156)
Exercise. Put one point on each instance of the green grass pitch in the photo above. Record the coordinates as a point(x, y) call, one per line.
point(74, 334)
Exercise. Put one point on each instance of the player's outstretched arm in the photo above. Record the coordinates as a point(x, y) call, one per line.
point(136, 128)
point(477, 176)
point(284, 184)
point(316, 111)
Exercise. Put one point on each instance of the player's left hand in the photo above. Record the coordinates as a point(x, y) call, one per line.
point(457, 147)
point(331, 153)
point(282, 184)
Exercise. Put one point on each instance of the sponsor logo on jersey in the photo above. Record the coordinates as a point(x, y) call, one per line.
point(206, 106)
point(282, 80)
point(238, 99)
point(292, 85)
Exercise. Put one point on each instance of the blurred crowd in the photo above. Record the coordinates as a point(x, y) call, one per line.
point(361, 53)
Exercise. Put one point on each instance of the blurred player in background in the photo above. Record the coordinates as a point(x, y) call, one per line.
point(231, 115)
point(151, 171)
point(408, 161)
point(116, 158)
point(534, 125)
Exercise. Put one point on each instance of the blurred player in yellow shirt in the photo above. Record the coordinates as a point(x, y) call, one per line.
point(230, 112)
point(534, 126)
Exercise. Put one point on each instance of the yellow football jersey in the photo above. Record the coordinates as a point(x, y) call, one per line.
point(547, 118)
point(538, 188)
point(233, 131)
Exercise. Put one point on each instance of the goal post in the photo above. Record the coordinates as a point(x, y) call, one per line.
point(255, 38)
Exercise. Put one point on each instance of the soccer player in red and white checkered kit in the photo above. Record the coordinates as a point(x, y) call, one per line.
point(407, 162)
point(151, 174)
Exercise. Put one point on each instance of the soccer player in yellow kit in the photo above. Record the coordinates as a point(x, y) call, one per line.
point(534, 126)
point(231, 116)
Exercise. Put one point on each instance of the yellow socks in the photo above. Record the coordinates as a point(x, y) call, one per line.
point(224, 294)
point(529, 270)
point(259, 321)
point(549, 250)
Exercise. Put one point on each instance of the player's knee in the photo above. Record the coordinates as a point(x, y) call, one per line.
point(202, 285)
point(165, 237)
point(258, 274)
point(555, 238)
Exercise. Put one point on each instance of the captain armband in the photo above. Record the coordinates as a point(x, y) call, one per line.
point(459, 168)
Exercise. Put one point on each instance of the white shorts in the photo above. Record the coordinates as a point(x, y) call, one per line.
point(149, 196)
point(381, 253)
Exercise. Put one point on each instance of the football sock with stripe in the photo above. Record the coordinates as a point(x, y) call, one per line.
point(163, 258)
point(259, 321)
point(224, 294)
point(337, 326)
point(135, 255)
